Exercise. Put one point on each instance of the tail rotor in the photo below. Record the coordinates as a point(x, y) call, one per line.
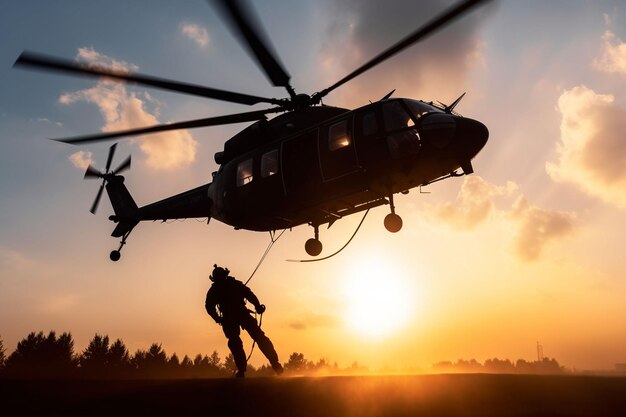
point(106, 175)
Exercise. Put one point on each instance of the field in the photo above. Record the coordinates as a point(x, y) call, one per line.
point(424, 395)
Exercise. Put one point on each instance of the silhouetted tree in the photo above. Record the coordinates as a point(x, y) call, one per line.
point(39, 356)
point(118, 359)
point(523, 367)
point(229, 365)
point(263, 370)
point(296, 363)
point(200, 365)
point(95, 358)
point(496, 365)
point(2, 356)
point(214, 360)
point(322, 367)
point(549, 366)
point(151, 363)
point(469, 366)
point(186, 366)
point(173, 366)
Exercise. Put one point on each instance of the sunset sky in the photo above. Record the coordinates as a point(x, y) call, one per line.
point(530, 248)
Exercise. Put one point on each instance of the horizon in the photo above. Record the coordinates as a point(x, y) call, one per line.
point(297, 363)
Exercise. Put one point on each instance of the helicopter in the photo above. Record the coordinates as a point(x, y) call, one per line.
point(313, 164)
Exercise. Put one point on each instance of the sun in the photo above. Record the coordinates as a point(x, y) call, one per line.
point(380, 299)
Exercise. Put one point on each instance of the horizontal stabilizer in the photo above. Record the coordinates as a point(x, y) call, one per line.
point(124, 227)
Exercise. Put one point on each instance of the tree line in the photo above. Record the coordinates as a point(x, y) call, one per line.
point(501, 366)
point(51, 356)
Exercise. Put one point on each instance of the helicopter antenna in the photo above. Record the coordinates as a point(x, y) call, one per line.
point(450, 108)
point(388, 95)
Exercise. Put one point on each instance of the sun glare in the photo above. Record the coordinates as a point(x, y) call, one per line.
point(379, 298)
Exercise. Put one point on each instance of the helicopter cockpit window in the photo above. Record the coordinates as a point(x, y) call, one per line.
point(244, 172)
point(404, 141)
point(269, 163)
point(419, 108)
point(396, 116)
point(338, 136)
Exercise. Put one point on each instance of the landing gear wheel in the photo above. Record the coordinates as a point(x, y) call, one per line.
point(115, 255)
point(393, 222)
point(313, 247)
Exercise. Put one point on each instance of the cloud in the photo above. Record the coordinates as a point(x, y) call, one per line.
point(46, 120)
point(122, 109)
point(534, 227)
point(591, 153)
point(435, 67)
point(537, 227)
point(473, 204)
point(613, 57)
point(314, 320)
point(196, 33)
point(81, 159)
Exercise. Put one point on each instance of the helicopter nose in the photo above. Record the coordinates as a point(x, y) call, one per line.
point(471, 137)
point(439, 129)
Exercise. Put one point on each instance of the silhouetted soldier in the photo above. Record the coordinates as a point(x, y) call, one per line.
point(226, 304)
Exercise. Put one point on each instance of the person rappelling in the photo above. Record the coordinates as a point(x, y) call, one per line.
point(226, 304)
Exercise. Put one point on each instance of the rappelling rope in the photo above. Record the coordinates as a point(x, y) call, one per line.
point(267, 250)
point(272, 241)
point(342, 248)
point(254, 341)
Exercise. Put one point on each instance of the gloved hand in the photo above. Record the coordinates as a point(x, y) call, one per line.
point(260, 309)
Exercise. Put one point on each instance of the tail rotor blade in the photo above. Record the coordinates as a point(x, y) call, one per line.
point(110, 157)
point(94, 206)
point(123, 166)
point(92, 173)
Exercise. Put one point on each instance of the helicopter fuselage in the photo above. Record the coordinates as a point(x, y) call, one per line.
point(344, 162)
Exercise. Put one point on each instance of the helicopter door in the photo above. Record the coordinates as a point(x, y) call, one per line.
point(300, 163)
point(336, 148)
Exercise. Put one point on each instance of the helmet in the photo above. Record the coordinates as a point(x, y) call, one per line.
point(218, 273)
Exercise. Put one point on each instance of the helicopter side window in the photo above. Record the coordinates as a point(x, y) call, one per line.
point(396, 117)
point(369, 124)
point(338, 136)
point(244, 172)
point(269, 163)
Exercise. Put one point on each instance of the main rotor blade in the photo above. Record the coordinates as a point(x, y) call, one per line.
point(96, 202)
point(209, 121)
point(245, 25)
point(54, 64)
point(123, 166)
point(110, 157)
point(437, 23)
